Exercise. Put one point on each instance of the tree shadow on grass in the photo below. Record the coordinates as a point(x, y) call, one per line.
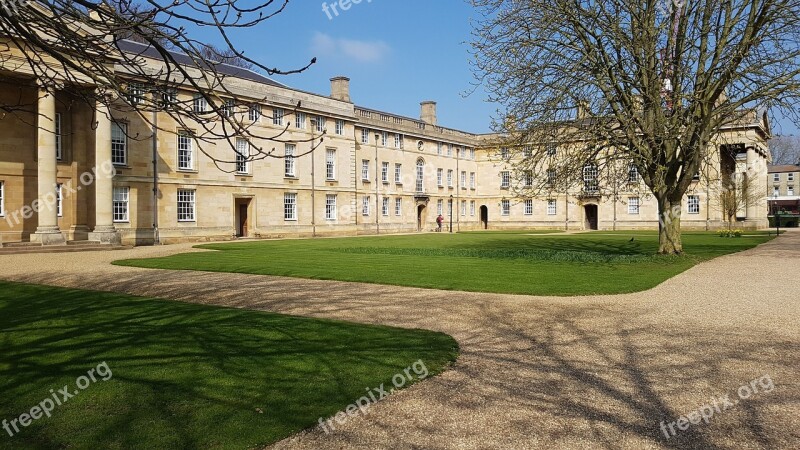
point(186, 376)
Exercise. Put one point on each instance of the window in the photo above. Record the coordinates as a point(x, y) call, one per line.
point(551, 149)
point(505, 207)
point(528, 178)
point(450, 178)
point(365, 205)
point(505, 179)
point(397, 139)
point(365, 136)
point(277, 116)
point(330, 207)
point(289, 162)
point(254, 113)
point(365, 169)
point(290, 206)
point(199, 104)
point(472, 180)
point(242, 156)
point(300, 121)
point(2, 199)
point(59, 147)
point(385, 172)
point(420, 175)
point(528, 207)
point(384, 138)
point(398, 207)
point(169, 98)
point(790, 190)
point(120, 206)
point(119, 144)
point(472, 208)
point(590, 178)
point(227, 108)
point(330, 164)
point(527, 152)
point(789, 177)
point(694, 204)
point(185, 151)
point(505, 154)
point(551, 177)
point(472, 154)
point(135, 93)
point(440, 177)
point(463, 179)
point(633, 205)
point(439, 148)
point(340, 127)
point(59, 200)
point(398, 173)
point(776, 177)
point(552, 207)
point(449, 149)
point(440, 207)
point(633, 174)
point(320, 124)
point(385, 207)
point(186, 205)
point(776, 191)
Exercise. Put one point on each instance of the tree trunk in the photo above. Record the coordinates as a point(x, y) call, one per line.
point(669, 227)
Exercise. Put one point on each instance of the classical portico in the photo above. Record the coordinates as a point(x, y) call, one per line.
point(45, 205)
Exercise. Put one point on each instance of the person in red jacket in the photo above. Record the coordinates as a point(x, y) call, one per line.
point(439, 221)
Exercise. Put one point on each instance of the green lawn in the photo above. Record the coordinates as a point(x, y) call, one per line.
point(515, 263)
point(184, 375)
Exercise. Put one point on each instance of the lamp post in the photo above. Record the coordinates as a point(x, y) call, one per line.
point(451, 213)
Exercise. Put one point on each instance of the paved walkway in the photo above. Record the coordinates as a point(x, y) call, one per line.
point(538, 372)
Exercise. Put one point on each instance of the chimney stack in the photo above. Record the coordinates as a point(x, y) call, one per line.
point(428, 114)
point(340, 89)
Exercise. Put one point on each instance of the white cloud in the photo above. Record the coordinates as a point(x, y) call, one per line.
point(324, 46)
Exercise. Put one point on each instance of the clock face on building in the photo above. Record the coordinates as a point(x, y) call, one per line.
point(420, 145)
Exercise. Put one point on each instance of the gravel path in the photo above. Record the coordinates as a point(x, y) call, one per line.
point(538, 372)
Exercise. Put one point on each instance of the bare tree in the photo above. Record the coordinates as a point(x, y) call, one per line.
point(136, 54)
point(785, 150)
point(655, 82)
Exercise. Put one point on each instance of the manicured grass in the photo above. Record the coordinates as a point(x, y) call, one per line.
point(184, 375)
point(516, 263)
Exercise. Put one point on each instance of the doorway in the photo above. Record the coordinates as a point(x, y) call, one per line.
point(590, 212)
point(242, 217)
point(421, 218)
point(485, 217)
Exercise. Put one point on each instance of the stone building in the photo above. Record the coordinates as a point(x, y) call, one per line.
point(70, 171)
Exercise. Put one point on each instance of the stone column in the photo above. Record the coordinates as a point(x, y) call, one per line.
point(47, 231)
point(752, 178)
point(104, 230)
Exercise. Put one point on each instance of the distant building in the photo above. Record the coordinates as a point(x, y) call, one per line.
point(783, 196)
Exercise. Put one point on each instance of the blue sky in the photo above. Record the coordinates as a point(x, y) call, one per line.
point(396, 53)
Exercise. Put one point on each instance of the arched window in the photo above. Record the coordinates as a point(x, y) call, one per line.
point(420, 175)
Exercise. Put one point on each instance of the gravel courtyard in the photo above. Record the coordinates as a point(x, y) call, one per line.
point(539, 372)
